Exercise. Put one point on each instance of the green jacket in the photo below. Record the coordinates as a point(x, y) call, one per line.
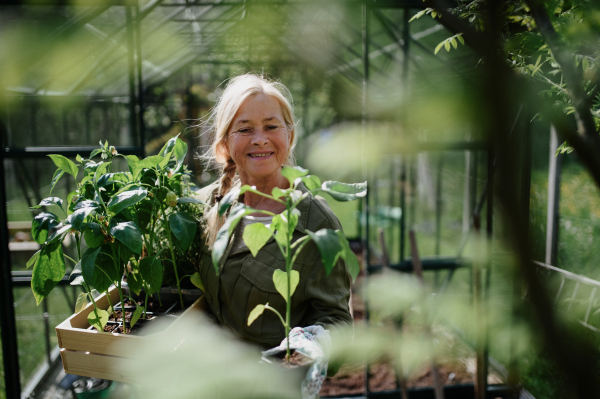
point(246, 281)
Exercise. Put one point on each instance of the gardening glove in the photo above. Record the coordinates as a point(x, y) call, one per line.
point(313, 342)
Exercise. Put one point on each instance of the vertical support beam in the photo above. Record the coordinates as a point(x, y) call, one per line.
point(7, 311)
point(405, 65)
point(403, 207)
point(131, 70)
point(140, 85)
point(552, 213)
point(438, 208)
point(392, 200)
point(365, 113)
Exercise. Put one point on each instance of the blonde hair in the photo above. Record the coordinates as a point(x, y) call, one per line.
point(238, 90)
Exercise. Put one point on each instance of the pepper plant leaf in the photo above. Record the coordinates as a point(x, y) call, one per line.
point(146, 163)
point(98, 318)
point(82, 301)
point(349, 256)
point(105, 270)
point(129, 234)
point(343, 191)
point(311, 182)
point(76, 218)
point(77, 280)
point(293, 172)
point(257, 311)
point(49, 201)
point(281, 285)
point(328, 243)
point(126, 199)
point(222, 240)
point(65, 164)
point(227, 200)
point(59, 234)
point(190, 200)
point(137, 313)
point(88, 264)
point(135, 283)
point(152, 272)
point(195, 279)
point(31, 262)
point(179, 152)
point(184, 228)
point(57, 175)
point(48, 271)
point(279, 226)
point(93, 235)
point(256, 236)
point(41, 224)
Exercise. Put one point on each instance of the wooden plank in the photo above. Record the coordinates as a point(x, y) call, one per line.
point(99, 366)
point(73, 333)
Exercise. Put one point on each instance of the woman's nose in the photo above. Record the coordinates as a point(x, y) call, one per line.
point(259, 137)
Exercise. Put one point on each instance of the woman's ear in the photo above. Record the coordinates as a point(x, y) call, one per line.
point(222, 153)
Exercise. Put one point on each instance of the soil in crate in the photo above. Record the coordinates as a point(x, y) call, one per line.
point(154, 306)
point(297, 359)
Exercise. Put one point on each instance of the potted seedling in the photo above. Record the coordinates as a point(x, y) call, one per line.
point(331, 244)
point(120, 215)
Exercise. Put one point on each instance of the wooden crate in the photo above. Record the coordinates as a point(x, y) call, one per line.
point(93, 354)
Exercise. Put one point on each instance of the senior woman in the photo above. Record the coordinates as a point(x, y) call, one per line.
point(253, 138)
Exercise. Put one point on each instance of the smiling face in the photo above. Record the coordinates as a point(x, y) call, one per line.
point(258, 139)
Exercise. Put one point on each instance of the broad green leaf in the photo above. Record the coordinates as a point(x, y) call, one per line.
point(132, 163)
point(82, 301)
point(195, 279)
point(49, 201)
point(77, 280)
point(279, 193)
point(105, 271)
point(57, 175)
point(101, 170)
point(222, 240)
point(311, 182)
point(65, 164)
point(129, 234)
point(78, 158)
point(83, 203)
point(93, 235)
point(280, 280)
point(343, 191)
point(184, 228)
point(454, 43)
point(137, 313)
point(328, 243)
point(256, 236)
point(349, 256)
point(147, 163)
point(179, 152)
point(77, 218)
point(98, 318)
point(126, 199)
point(447, 45)
point(257, 311)
point(168, 147)
point(95, 152)
point(152, 272)
point(88, 264)
point(31, 262)
point(69, 201)
point(48, 271)
point(190, 200)
point(59, 235)
point(41, 224)
point(460, 39)
point(135, 283)
point(293, 222)
point(279, 226)
point(293, 172)
point(76, 268)
point(227, 200)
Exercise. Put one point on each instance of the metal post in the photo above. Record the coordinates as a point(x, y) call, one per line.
point(140, 99)
point(553, 200)
point(403, 208)
point(7, 311)
point(131, 65)
point(366, 209)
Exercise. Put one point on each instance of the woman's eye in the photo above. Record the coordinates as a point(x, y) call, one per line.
point(244, 130)
point(273, 127)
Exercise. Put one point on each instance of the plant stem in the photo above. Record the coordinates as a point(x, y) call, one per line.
point(288, 271)
point(120, 290)
point(110, 303)
point(85, 287)
point(168, 229)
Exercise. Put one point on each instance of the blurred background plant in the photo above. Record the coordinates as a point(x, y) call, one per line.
point(439, 128)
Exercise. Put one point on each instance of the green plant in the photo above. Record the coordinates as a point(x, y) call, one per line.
point(331, 244)
point(120, 215)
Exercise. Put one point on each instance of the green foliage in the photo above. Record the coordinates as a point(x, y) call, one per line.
point(106, 210)
point(331, 244)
